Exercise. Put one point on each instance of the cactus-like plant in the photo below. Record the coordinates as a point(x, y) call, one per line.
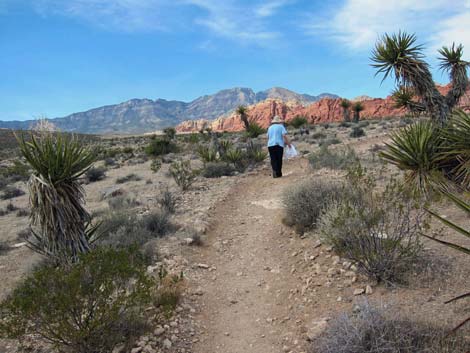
point(61, 226)
point(398, 55)
point(358, 107)
point(242, 111)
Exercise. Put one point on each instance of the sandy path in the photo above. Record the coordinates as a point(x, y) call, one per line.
point(245, 305)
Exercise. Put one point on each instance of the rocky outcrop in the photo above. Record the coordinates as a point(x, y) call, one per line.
point(324, 110)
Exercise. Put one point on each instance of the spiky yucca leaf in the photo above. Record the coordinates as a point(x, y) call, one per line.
point(415, 149)
point(59, 220)
point(451, 61)
point(398, 53)
point(455, 155)
point(465, 206)
point(242, 111)
point(345, 103)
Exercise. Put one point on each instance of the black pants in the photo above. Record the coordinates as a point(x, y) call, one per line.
point(276, 152)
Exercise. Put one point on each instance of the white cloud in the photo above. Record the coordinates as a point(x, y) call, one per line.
point(453, 29)
point(230, 19)
point(269, 8)
point(358, 23)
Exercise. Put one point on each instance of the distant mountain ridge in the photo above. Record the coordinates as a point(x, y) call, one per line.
point(143, 115)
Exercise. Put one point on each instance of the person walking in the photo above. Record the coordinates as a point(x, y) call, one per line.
point(277, 139)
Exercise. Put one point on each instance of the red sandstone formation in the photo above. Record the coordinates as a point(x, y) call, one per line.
point(324, 110)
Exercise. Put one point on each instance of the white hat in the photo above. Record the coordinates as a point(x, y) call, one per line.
point(276, 120)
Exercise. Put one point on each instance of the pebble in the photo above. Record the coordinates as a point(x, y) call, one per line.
point(167, 343)
point(359, 291)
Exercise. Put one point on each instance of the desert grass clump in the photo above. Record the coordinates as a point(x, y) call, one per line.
point(167, 201)
point(333, 159)
point(379, 231)
point(122, 229)
point(157, 223)
point(61, 226)
point(122, 202)
point(156, 165)
point(182, 173)
point(207, 154)
point(4, 248)
point(11, 192)
point(127, 178)
point(380, 329)
point(169, 291)
point(22, 213)
point(95, 174)
point(90, 306)
point(217, 170)
point(305, 201)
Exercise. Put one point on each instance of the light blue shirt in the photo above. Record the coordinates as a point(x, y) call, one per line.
point(276, 134)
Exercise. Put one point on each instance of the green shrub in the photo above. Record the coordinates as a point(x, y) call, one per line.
point(121, 229)
point(91, 306)
point(236, 157)
point(193, 138)
point(357, 132)
point(109, 162)
point(4, 248)
point(128, 150)
point(22, 213)
point(170, 133)
point(127, 178)
point(182, 174)
point(217, 170)
point(17, 172)
point(305, 201)
point(374, 329)
point(337, 159)
point(160, 147)
point(95, 174)
point(379, 231)
point(10, 192)
point(254, 130)
point(207, 154)
point(298, 121)
point(156, 165)
point(11, 208)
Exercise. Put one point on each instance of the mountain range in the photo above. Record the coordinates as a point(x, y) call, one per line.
point(144, 115)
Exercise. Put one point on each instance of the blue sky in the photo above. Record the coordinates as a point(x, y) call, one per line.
point(64, 56)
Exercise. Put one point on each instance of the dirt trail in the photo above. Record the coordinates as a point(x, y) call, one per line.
point(245, 301)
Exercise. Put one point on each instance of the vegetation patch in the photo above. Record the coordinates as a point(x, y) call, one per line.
point(337, 159)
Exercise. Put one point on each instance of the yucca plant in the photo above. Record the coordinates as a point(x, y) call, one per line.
point(465, 206)
point(255, 130)
point(233, 155)
point(455, 150)
point(225, 146)
point(404, 98)
point(398, 55)
point(415, 150)
point(207, 154)
point(242, 112)
point(358, 107)
point(61, 226)
point(346, 105)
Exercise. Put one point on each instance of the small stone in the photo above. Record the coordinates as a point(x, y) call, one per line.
point(359, 291)
point(159, 331)
point(203, 266)
point(136, 350)
point(167, 343)
point(285, 349)
point(369, 290)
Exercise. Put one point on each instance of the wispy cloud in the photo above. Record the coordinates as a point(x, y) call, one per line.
point(358, 23)
point(231, 19)
point(269, 8)
point(242, 21)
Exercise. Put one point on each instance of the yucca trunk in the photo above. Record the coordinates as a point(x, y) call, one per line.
point(59, 220)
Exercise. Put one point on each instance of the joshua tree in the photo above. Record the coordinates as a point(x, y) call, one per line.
point(404, 98)
point(358, 107)
point(398, 54)
point(346, 105)
point(242, 112)
point(60, 223)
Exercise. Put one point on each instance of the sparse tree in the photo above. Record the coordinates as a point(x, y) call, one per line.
point(346, 105)
point(398, 55)
point(358, 107)
point(242, 111)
